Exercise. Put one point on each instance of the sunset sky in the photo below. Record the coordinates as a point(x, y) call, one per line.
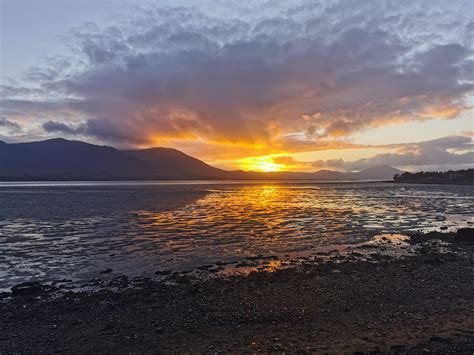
point(254, 85)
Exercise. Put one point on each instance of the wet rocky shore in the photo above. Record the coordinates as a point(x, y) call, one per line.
point(420, 302)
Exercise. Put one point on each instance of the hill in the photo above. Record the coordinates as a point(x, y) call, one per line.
point(382, 172)
point(60, 159)
point(171, 163)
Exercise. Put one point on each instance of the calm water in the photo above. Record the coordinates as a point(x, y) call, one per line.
point(64, 230)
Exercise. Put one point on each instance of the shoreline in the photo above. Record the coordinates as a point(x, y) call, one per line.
point(384, 304)
point(467, 183)
point(203, 182)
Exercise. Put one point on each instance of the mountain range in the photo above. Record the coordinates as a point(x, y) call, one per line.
point(61, 159)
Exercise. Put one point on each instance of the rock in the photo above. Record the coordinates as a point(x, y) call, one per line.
point(194, 291)
point(465, 235)
point(216, 269)
point(441, 339)
point(433, 260)
point(202, 268)
point(222, 263)
point(28, 289)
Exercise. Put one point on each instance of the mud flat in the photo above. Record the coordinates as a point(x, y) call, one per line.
point(423, 301)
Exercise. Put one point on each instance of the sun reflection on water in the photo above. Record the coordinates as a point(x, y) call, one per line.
point(185, 228)
point(277, 218)
point(273, 266)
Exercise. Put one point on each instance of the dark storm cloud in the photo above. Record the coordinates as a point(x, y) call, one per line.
point(326, 69)
point(59, 127)
point(93, 127)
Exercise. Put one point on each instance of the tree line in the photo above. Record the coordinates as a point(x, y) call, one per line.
point(465, 176)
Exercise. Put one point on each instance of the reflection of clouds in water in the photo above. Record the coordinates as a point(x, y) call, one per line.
point(64, 232)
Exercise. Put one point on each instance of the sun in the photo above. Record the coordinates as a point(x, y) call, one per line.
point(263, 164)
point(267, 166)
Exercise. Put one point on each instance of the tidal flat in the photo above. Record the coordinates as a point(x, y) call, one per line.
point(423, 302)
point(61, 230)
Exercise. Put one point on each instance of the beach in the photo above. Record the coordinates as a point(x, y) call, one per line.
point(423, 301)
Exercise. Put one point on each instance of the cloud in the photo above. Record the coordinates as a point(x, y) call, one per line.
point(311, 69)
point(284, 159)
point(437, 154)
point(59, 127)
point(9, 126)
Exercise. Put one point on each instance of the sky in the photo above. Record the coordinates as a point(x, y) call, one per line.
point(298, 85)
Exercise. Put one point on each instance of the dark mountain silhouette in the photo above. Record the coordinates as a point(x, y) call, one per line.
point(60, 159)
point(57, 159)
point(377, 172)
point(171, 163)
point(374, 173)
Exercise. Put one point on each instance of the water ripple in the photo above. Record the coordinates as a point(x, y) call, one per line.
point(52, 232)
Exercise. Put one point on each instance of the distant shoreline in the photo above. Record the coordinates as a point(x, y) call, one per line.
point(450, 177)
point(468, 183)
point(191, 182)
point(78, 182)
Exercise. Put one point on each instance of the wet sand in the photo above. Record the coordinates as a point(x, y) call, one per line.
point(422, 302)
point(75, 232)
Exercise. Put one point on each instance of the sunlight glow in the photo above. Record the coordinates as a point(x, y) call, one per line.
point(264, 164)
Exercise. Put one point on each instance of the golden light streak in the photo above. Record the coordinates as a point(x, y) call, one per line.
point(264, 164)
